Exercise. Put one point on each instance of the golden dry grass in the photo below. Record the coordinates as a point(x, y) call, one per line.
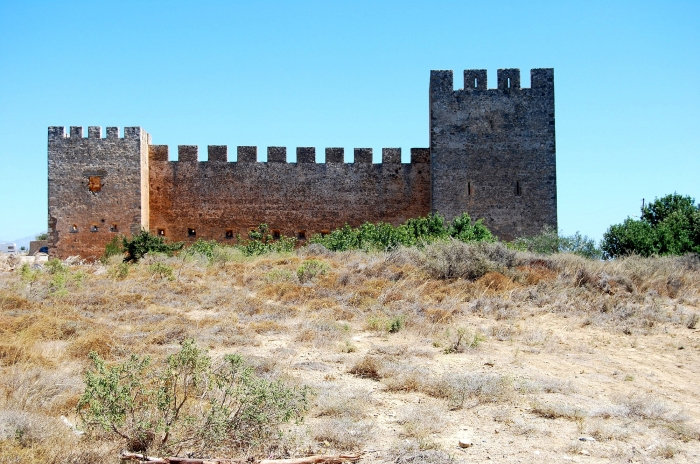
point(559, 346)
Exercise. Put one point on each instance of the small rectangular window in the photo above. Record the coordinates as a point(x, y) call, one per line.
point(518, 189)
point(113, 227)
point(191, 232)
point(301, 235)
point(229, 233)
point(93, 228)
point(469, 188)
point(325, 232)
point(160, 232)
point(276, 234)
point(74, 229)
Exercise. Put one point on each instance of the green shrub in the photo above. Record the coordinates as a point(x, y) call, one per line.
point(119, 271)
point(414, 232)
point(56, 266)
point(310, 269)
point(549, 241)
point(667, 226)
point(115, 247)
point(186, 402)
point(261, 242)
point(396, 323)
point(463, 340)
point(145, 242)
point(205, 248)
point(161, 270)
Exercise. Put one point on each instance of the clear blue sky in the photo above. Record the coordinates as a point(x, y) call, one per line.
point(353, 74)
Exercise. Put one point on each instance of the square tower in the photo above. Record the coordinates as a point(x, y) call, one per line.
point(493, 151)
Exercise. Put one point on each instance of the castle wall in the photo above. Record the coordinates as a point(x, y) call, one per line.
point(216, 196)
point(95, 188)
point(493, 150)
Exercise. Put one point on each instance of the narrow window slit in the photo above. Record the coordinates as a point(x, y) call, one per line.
point(94, 228)
point(518, 189)
point(160, 232)
point(301, 235)
point(229, 233)
point(508, 86)
point(191, 232)
point(114, 228)
point(276, 234)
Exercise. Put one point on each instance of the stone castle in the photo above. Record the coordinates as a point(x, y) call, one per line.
point(492, 154)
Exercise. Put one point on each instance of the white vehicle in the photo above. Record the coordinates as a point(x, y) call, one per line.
point(7, 247)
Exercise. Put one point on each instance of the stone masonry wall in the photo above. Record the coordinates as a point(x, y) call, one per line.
point(493, 151)
point(296, 199)
point(95, 188)
point(492, 154)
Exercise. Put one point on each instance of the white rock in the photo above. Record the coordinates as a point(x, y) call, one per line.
point(465, 442)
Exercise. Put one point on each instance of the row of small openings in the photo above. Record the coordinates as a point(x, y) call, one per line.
point(229, 234)
point(113, 227)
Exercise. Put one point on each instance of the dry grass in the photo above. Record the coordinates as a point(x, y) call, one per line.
point(399, 347)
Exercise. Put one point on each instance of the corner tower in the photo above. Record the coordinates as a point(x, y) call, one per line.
point(98, 188)
point(493, 151)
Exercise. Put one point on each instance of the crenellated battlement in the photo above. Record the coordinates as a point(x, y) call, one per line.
point(507, 80)
point(305, 155)
point(94, 133)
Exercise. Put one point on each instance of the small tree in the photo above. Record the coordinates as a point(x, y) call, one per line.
point(667, 226)
point(145, 242)
point(186, 403)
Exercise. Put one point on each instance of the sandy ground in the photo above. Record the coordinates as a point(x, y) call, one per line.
point(595, 367)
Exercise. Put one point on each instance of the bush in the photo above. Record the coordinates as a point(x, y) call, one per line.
point(204, 248)
point(261, 242)
point(310, 269)
point(145, 242)
point(186, 403)
point(414, 232)
point(549, 241)
point(450, 259)
point(667, 226)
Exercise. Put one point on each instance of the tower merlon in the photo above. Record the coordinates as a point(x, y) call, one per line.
point(158, 152)
point(363, 155)
point(94, 132)
point(542, 78)
point(475, 79)
point(217, 153)
point(441, 82)
point(76, 132)
point(391, 155)
point(133, 132)
point(335, 155)
point(276, 154)
point(420, 155)
point(112, 132)
point(508, 79)
point(306, 155)
point(57, 132)
point(247, 154)
point(187, 153)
